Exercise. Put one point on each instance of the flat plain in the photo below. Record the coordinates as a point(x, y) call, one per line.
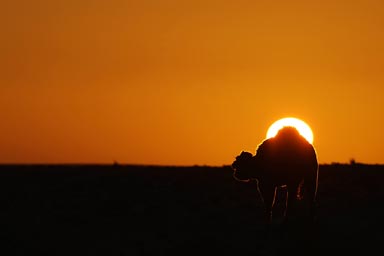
point(159, 210)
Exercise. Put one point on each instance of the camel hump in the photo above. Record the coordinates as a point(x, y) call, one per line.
point(287, 147)
point(289, 134)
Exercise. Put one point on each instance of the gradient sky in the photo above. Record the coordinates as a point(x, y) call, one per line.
point(187, 82)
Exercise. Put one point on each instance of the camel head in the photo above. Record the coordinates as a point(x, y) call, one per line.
point(243, 167)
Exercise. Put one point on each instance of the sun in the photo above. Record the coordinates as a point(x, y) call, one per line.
point(300, 125)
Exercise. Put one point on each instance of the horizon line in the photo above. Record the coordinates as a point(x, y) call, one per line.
point(156, 165)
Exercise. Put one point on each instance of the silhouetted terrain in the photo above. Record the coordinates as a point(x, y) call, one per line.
point(134, 210)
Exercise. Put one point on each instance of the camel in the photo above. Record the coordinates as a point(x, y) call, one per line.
point(284, 160)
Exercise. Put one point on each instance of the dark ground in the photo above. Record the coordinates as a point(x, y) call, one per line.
point(128, 210)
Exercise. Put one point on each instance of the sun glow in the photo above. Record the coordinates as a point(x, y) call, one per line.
point(300, 125)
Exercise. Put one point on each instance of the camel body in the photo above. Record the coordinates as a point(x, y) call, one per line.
point(285, 160)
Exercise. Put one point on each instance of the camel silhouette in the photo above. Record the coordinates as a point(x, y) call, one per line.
point(284, 160)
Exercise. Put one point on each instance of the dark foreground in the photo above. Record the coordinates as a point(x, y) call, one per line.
point(127, 210)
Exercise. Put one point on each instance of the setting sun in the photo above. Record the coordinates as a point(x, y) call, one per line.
point(300, 125)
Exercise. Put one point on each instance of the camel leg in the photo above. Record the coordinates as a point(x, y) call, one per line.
point(290, 203)
point(312, 204)
point(311, 190)
point(268, 193)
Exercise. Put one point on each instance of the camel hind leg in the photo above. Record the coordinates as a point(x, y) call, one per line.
point(310, 190)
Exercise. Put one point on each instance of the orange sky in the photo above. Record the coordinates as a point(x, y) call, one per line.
point(187, 82)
